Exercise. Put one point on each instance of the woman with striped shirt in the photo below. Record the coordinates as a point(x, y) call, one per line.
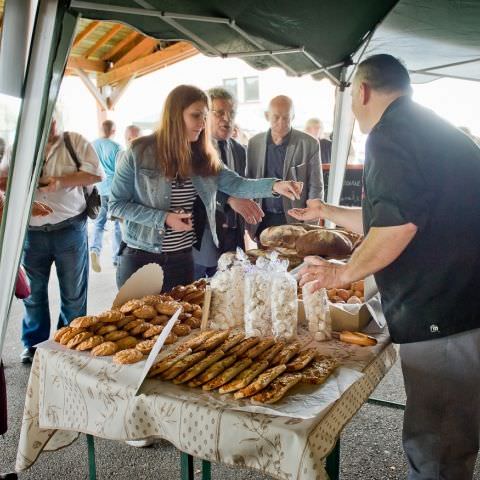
point(166, 176)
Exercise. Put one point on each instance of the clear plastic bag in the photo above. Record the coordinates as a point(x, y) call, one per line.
point(317, 313)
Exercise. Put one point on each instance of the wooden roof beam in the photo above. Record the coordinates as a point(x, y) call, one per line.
point(143, 48)
point(85, 32)
point(85, 64)
point(120, 45)
point(103, 40)
point(150, 63)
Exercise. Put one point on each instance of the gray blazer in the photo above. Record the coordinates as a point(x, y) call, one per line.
point(302, 163)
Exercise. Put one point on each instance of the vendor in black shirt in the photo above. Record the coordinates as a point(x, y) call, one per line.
point(421, 217)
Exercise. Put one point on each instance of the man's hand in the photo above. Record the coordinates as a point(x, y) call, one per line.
point(40, 209)
point(50, 184)
point(289, 189)
point(320, 273)
point(248, 209)
point(315, 210)
point(179, 222)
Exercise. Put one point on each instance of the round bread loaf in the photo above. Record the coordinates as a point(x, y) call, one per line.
point(281, 236)
point(324, 243)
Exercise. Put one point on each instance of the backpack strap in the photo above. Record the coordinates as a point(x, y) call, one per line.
point(71, 150)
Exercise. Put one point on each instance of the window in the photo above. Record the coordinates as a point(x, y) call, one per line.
point(251, 90)
point(231, 84)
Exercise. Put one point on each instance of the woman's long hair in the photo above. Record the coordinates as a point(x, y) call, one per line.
point(177, 156)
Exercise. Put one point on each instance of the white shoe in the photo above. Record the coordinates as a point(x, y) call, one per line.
point(148, 442)
point(95, 261)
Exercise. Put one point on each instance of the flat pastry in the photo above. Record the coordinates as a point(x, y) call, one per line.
point(261, 382)
point(181, 330)
point(127, 319)
point(272, 352)
point(58, 334)
point(287, 353)
point(213, 371)
point(199, 367)
point(258, 349)
point(104, 329)
point(139, 329)
point(84, 322)
point(146, 346)
point(213, 341)
point(319, 370)
point(278, 388)
point(301, 360)
point(182, 365)
point(129, 356)
point(132, 324)
point(130, 306)
point(245, 345)
point(199, 339)
point(152, 331)
point(127, 342)
point(145, 312)
point(233, 340)
point(105, 349)
point(90, 343)
point(244, 378)
point(78, 338)
point(228, 374)
point(167, 308)
point(160, 320)
point(115, 335)
point(167, 362)
point(110, 316)
point(69, 334)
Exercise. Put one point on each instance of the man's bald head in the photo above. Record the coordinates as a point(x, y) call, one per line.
point(280, 115)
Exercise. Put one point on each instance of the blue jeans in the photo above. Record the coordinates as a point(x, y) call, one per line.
point(99, 228)
point(68, 248)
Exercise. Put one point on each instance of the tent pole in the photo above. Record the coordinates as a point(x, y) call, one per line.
point(342, 136)
point(51, 40)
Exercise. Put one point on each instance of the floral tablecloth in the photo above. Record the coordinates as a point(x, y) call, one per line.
point(70, 393)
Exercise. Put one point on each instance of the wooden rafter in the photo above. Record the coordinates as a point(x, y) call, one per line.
point(141, 66)
point(85, 64)
point(142, 49)
point(103, 40)
point(85, 32)
point(120, 45)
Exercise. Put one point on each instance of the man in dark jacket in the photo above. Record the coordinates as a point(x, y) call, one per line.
point(420, 214)
point(231, 212)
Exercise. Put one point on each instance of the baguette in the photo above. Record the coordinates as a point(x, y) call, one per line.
point(228, 374)
point(278, 388)
point(261, 382)
point(244, 378)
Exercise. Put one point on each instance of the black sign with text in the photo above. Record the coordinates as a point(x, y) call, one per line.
point(352, 187)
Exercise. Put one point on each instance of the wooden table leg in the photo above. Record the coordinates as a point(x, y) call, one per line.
point(92, 468)
point(332, 465)
point(186, 466)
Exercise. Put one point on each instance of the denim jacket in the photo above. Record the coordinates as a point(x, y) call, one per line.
point(141, 196)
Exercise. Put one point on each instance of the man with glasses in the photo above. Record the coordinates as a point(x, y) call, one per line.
point(230, 210)
point(283, 152)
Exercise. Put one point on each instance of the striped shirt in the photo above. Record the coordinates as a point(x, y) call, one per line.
point(182, 198)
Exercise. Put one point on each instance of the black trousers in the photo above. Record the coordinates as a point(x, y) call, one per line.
point(3, 401)
point(270, 220)
point(177, 267)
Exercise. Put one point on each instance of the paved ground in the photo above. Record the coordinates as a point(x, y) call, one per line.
point(371, 443)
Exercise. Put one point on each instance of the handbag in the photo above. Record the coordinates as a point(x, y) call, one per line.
point(92, 197)
point(22, 287)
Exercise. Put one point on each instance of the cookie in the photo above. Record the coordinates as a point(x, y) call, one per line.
point(134, 323)
point(103, 330)
point(125, 320)
point(146, 346)
point(171, 338)
point(145, 312)
point(90, 343)
point(152, 331)
point(84, 322)
point(160, 320)
point(130, 306)
point(139, 329)
point(111, 316)
point(69, 334)
point(127, 342)
point(116, 335)
point(152, 300)
point(128, 356)
point(181, 330)
point(167, 308)
point(193, 322)
point(58, 334)
point(105, 349)
point(78, 338)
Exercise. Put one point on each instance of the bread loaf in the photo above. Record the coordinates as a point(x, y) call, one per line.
point(281, 236)
point(323, 242)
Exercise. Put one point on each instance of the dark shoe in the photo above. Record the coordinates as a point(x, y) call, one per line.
point(8, 476)
point(27, 355)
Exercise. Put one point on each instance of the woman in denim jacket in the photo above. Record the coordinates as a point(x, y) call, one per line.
point(163, 177)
